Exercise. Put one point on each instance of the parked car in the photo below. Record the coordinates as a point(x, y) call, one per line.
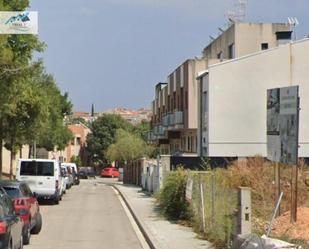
point(110, 172)
point(91, 172)
point(86, 172)
point(68, 176)
point(11, 224)
point(43, 177)
point(26, 205)
point(74, 170)
point(83, 174)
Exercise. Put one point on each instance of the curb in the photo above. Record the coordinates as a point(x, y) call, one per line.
point(149, 238)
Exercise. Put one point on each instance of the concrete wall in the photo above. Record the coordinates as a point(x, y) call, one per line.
point(220, 44)
point(250, 36)
point(237, 99)
point(195, 66)
point(247, 38)
point(6, 159)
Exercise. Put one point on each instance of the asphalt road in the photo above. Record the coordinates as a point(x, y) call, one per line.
point(90, 216)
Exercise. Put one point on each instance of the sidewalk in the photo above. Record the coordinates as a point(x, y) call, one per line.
point(163, 234)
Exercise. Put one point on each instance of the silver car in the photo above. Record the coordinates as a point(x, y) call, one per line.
point(68, 176)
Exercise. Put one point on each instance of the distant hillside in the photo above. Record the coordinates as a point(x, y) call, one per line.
point(131, 115)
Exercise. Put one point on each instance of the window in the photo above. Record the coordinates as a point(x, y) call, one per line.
point(181, 99)
point(36, 168)
point(168, 103)
point(12, 192)
point(8, 206)
point(232, 51)
point(78, 141)
point(45, 168)
point(205, 102)
point(186, 100)
point(1, 210)
point(264, 46)
point(219, 55)
point(189, 143)
point(28, 168)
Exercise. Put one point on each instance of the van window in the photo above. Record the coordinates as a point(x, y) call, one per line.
point(36, 168)
point(28, 168)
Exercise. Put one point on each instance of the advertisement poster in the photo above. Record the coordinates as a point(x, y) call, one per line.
point(282, 124)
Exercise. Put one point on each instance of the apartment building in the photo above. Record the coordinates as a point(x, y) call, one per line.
point(174, 119)
point(175, 108)
point(233, 106)
point(242, 38)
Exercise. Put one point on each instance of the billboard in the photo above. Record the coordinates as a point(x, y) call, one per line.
point(282, 124)
point(18, 22)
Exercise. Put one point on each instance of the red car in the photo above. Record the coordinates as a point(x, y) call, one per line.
point(26, 205)
point(110, 172)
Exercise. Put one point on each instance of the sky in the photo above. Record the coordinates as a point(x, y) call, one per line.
point(112, 53)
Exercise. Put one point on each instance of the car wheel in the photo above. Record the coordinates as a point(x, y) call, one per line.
point(26, 235)
point(38, 224)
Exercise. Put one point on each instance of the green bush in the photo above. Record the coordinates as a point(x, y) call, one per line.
point(172, 196)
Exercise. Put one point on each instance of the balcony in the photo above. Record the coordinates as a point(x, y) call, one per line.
point(159, 131)
point(170, 120)
point(150, 136)
point(178, 118)
point(165, 120)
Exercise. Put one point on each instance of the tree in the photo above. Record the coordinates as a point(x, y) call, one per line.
point(128, 146)
point(103, 134)
point(92, 110)
point(142, 128)
point(20, 116)
point(77, 160)
point(16, 67)
point(31, 106)
point(53, 132)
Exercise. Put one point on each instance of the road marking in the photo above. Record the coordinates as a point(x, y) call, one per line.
point(132, 221)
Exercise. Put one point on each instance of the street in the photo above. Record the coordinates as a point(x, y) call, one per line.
point(89, 216)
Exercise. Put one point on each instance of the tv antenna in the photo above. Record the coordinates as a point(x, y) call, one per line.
point(293, 22)
point(240, 14)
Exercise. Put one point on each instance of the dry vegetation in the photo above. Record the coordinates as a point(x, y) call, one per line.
point(259, 175)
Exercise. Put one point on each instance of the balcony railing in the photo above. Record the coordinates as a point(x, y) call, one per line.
point(172, 119)
point(165, 120)
point(150, 136)
point(178, 117)
point(159, 131)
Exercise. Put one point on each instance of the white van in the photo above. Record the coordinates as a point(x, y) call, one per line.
point(43, 177)
point(74, 169)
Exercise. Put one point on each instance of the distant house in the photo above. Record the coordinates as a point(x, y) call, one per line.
point(76, 147)
point(78, 144)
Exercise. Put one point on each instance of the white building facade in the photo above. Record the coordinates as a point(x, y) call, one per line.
point(232, 100)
